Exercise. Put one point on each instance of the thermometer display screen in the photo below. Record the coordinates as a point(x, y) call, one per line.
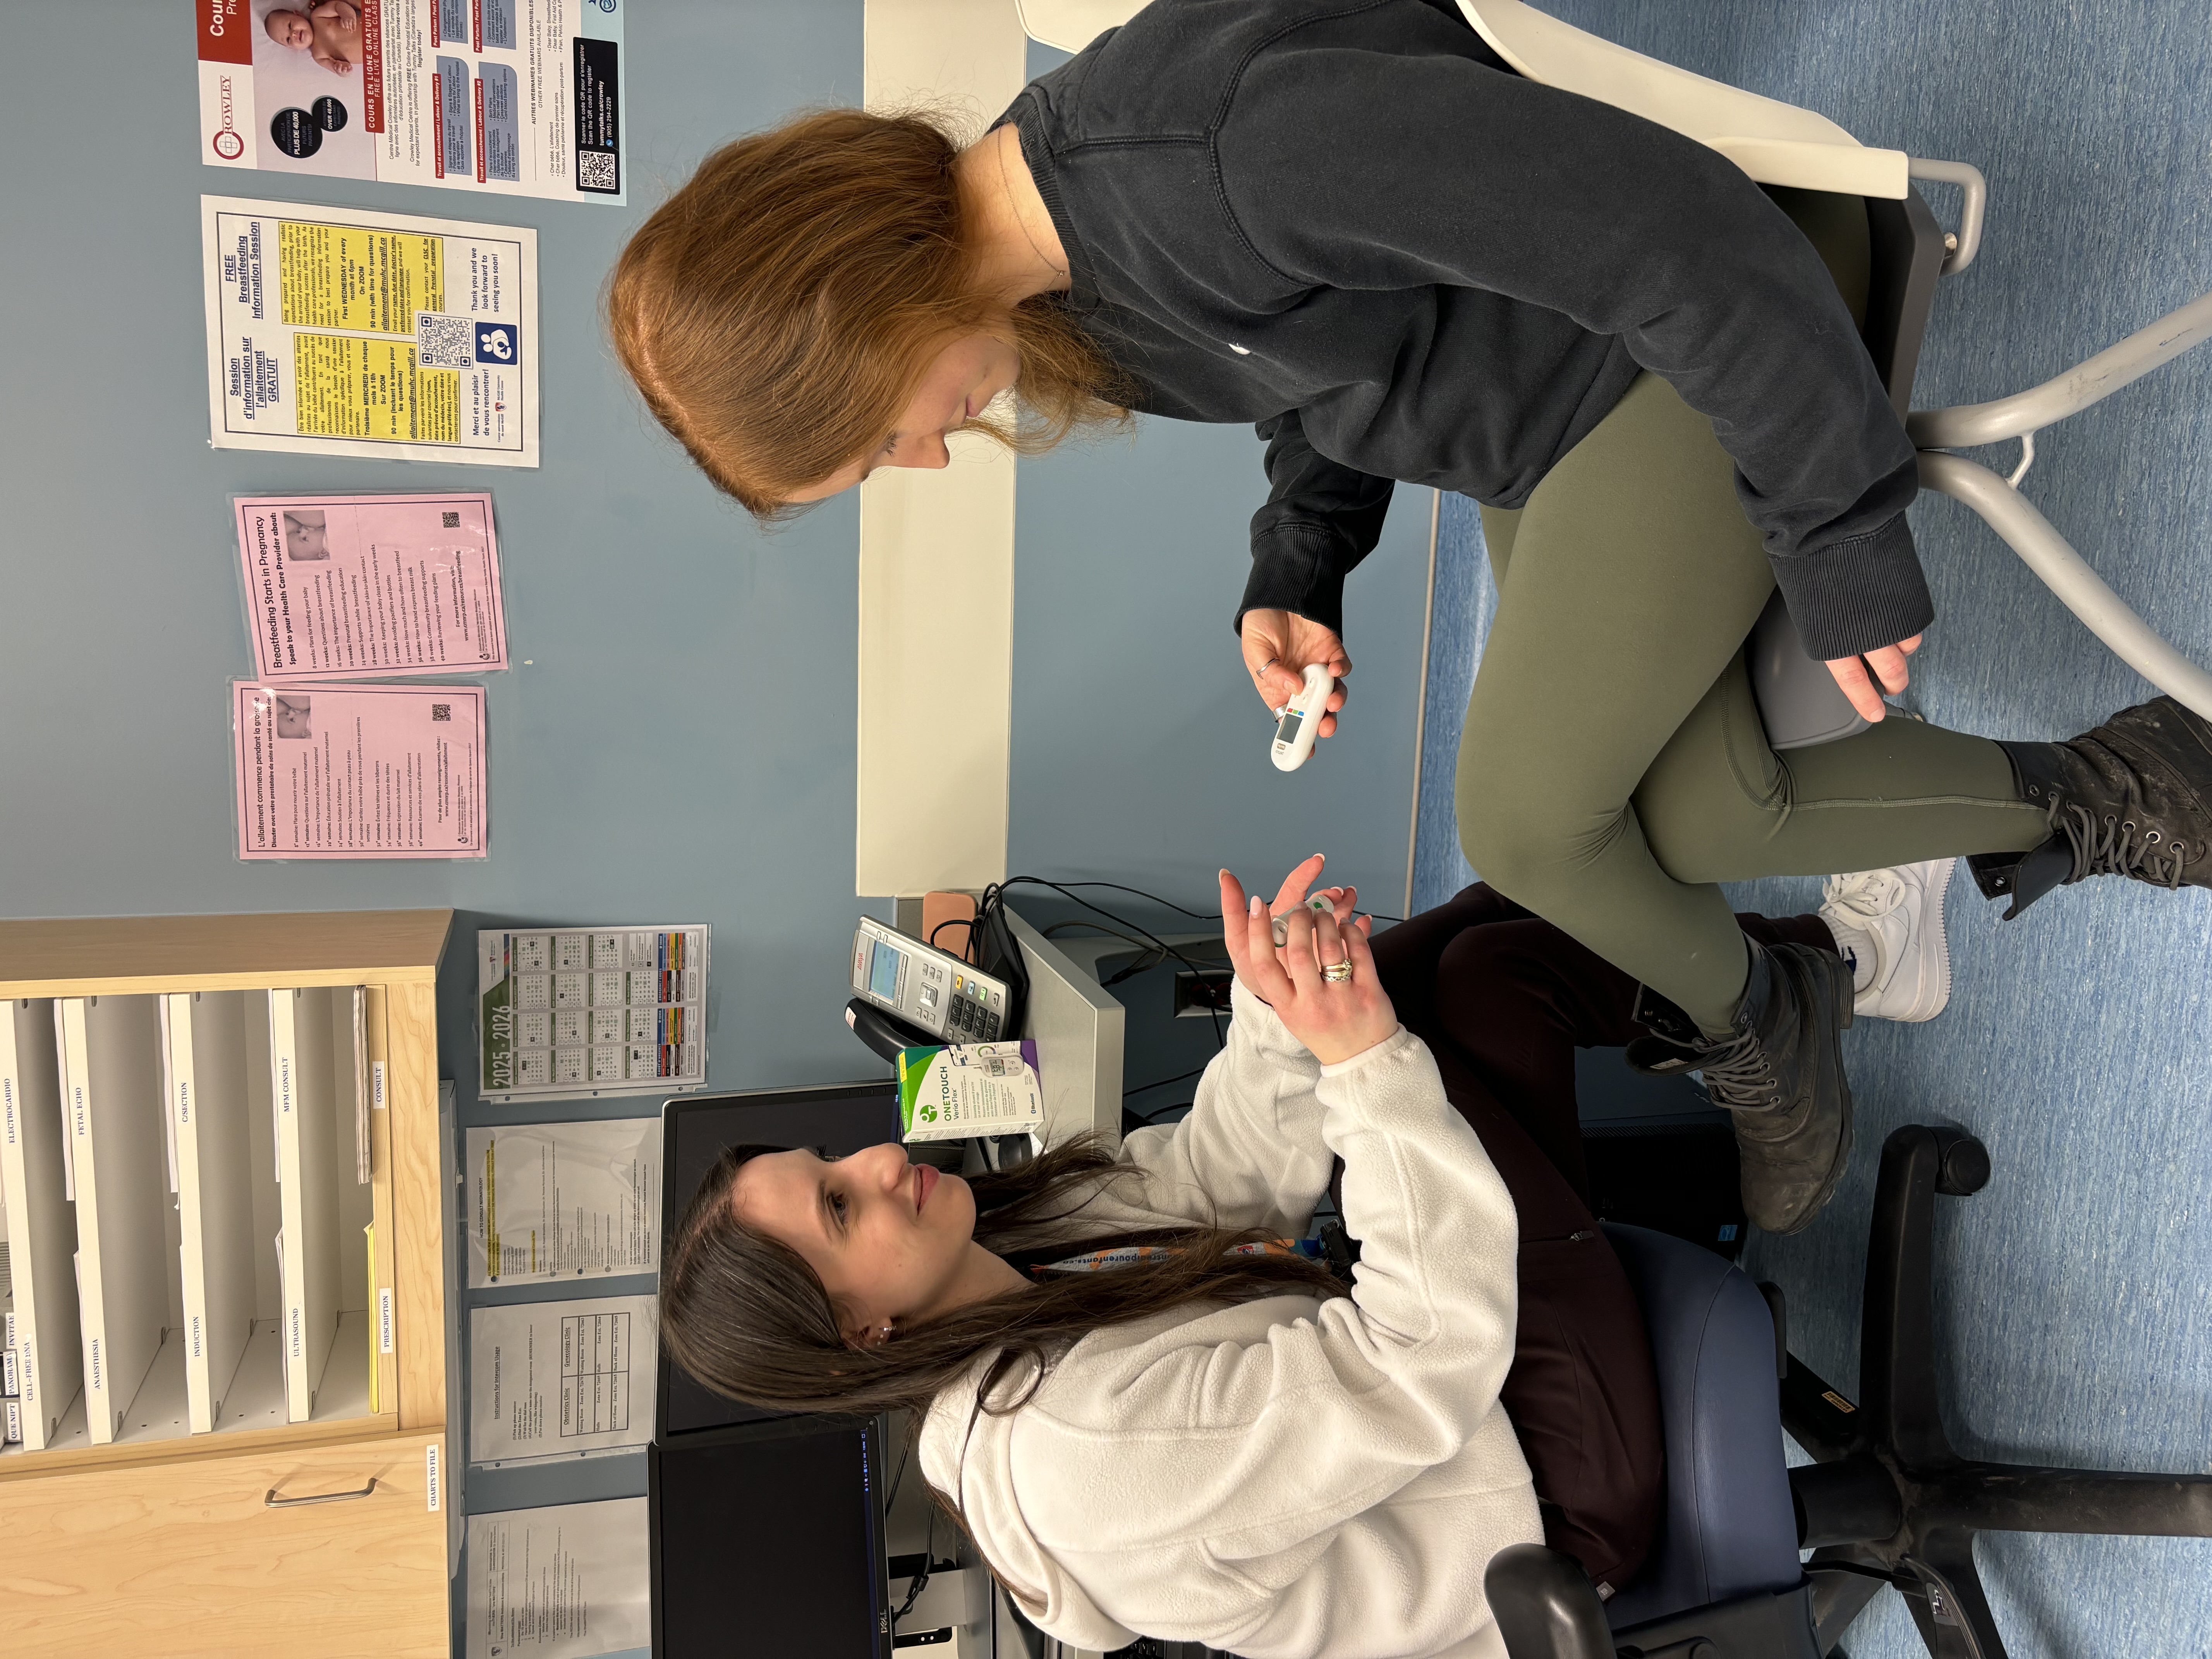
point(1288, 730)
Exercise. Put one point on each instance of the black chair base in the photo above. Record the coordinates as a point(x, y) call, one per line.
point(1888, 1501)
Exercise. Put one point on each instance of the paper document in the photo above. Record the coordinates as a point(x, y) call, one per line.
point(603, 1011)
point(564, 1582)
point(554, 1379)
point(344, 332)
point(347, 587)
point(559, 1201)
point(517, 97)
point(359, 771)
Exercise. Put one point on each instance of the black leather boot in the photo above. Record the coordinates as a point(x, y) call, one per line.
point(2132, 797)
point(1780, 1075)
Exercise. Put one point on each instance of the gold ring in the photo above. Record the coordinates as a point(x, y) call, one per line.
point(1336, 972)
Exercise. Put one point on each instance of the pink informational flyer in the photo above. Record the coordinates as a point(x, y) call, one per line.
point(348, 587)
point(359, 771)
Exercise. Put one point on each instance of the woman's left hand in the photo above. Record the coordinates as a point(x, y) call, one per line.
point(1888, 663)
point(1335, 1018)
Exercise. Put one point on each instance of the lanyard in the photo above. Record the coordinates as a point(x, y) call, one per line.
point(1130, 1255)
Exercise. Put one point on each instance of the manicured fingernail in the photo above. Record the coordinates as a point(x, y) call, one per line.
point(1255, 904)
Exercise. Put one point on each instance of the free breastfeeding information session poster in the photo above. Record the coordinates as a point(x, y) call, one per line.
point(522, 97)
point(343, 331)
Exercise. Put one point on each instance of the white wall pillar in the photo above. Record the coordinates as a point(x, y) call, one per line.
point(937, 549)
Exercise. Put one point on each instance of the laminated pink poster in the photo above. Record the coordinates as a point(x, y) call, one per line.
point(348, 587)
point(359, 771)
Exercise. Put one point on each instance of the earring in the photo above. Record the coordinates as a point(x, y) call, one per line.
point(887, 1333)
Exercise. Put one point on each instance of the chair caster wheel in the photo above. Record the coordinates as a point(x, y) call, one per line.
point(1965, 1164)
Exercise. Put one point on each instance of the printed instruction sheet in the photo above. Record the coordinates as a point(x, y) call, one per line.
point(603, 1011)
point(359, 771)
point(338, 587)
point(562, 1201)
point(344, 332)
point(513, 97)
point(568, 1582)
point(557, 1379)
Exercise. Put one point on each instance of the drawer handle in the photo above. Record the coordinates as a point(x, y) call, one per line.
point(273, 1502)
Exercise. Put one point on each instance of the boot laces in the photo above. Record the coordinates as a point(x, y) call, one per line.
point(2113, 846)
point(1738, 1072)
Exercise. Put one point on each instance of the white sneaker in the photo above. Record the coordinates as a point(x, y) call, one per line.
point(1895, 918)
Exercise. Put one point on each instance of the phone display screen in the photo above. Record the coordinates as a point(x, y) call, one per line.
point(882, 971)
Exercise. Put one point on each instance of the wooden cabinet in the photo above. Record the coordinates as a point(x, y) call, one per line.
point(190, 1557)
point(165, 1542)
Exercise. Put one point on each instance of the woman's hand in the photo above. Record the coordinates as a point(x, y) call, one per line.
point(1888, 662)
point(1335, 1019)
point(1277, 647)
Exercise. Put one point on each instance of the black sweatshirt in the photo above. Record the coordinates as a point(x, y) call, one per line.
point(1348, 222)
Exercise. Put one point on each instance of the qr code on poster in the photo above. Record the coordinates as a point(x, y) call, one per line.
point(441, 711)
point(595, 170)
point(442, 342)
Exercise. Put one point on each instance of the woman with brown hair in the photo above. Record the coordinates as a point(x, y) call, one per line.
point(1349, 223)
point(1151, 1413)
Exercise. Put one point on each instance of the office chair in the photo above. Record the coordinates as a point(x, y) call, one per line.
point(1779, 144)
point(1888, 1503)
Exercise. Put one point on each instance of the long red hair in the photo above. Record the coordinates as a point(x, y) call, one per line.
point(778, 309)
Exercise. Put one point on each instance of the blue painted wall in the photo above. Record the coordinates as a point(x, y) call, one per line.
point(680, 747)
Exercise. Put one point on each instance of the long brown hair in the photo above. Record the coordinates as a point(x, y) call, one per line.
point(778, 309)
point(747, 1316)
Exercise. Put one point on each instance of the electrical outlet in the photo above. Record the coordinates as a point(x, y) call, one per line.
point(1202, 995)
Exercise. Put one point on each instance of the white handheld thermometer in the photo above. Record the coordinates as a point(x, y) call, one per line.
point(1300, 722)
point(1319, 904)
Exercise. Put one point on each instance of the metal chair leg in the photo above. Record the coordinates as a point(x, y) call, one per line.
point(2027, 531)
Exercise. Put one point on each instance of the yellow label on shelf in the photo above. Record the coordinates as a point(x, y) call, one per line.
point(350, 276)
point(375, 1365)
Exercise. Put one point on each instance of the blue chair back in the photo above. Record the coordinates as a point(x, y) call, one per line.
point(1729, 1528)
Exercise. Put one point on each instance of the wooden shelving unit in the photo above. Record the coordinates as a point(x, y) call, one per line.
point(177, 1543)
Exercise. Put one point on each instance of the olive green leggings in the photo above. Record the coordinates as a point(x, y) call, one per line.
point(1613, 766)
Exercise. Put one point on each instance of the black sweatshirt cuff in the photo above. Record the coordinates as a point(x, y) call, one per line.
point(1295, 568)
point(1856, 596)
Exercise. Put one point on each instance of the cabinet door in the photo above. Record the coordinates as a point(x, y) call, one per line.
point(160, 1559)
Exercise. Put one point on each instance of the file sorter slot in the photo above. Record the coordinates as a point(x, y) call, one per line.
point(110, 1055)
point(41, 1222)
point(315, 1070)
point(207, 1055)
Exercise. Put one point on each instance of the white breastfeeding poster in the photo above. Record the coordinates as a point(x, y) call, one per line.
point(325, 772)
point(344, 587)
point(383, 336)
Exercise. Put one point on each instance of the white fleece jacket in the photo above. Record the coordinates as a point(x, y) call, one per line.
point(1288, 1478)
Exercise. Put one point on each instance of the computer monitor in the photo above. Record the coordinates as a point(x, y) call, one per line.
point(767, 1541)
point(835, 1119)
point(767, 1528)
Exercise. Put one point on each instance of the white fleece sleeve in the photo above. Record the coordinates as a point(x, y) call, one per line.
point(1187, 1477)
point(1250, 1152)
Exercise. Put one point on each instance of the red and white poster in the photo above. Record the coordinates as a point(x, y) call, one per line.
point(518, 96)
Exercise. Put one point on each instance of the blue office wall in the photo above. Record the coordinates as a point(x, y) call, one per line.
point(679, 746)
